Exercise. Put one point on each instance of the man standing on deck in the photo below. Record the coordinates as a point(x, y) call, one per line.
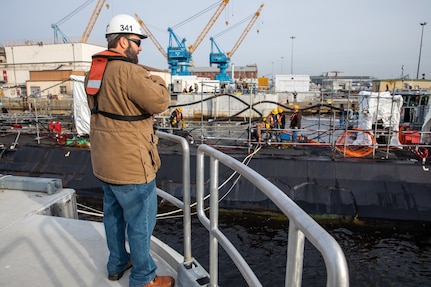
point(295, 123)
point(123, 96)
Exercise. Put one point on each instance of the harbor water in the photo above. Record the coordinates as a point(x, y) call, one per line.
point(378, 254)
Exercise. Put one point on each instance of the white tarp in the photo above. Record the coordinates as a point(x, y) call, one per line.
point(81, 111)
point(375, 106)
point(426, 127)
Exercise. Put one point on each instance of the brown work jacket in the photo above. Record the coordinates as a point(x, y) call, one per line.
point(125, 152)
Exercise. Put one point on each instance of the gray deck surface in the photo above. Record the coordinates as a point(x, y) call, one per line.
point(41, 250)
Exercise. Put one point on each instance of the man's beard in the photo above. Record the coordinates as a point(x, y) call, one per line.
point(132, 55)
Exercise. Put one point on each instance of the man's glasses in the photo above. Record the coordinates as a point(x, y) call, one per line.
point(136, 41)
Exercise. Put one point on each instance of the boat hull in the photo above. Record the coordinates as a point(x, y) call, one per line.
point(356, 189)
point(365, 189)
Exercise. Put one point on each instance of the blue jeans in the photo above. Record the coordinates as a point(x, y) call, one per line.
point(131, 208)
point(295, 135)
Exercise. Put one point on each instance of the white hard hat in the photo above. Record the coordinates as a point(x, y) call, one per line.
point(124, 24)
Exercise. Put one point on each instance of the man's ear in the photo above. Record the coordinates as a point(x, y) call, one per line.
point(123, 42)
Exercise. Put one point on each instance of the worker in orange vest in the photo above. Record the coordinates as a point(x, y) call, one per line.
point(176, 117)
point(295, 122)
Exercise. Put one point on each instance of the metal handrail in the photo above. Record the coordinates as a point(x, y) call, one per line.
point(185, 204)
point(301, 225)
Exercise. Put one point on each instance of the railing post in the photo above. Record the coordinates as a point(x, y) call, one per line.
point(188, 258)
point(295, 255)
point(213, 221)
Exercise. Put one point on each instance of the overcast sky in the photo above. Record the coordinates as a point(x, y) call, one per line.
point(361, 38)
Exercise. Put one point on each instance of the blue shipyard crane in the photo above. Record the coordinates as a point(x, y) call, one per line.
point(59, 36)
point(58, 33)
point(222, 59)
point(180, 56)
point(177, 55)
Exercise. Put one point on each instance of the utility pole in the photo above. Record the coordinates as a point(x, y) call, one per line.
point(291, 56)
point(272, 73)
point(282, 62)
point(420, 49)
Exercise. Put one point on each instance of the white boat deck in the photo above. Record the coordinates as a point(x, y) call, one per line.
point(41, 250)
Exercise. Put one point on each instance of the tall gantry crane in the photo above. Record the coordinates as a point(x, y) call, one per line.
point(58, 33)
point(89, 27)
point(245, 32)
point(209, 25)
point(180, 56)
point(222, 59)
point(151, 36)
point(56, 26)
point(92, 21)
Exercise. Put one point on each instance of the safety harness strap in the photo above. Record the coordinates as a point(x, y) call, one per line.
point(94, 82)
point(125, 118)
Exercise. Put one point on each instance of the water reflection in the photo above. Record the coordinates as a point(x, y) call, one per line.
point(377, 254)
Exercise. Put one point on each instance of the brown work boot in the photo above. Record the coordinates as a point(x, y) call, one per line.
point(117, 276)
point(161, 281)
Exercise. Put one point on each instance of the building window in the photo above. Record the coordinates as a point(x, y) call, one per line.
point(35, 92)
point(63, 90)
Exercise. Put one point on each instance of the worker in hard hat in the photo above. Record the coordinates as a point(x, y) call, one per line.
point(273, 119)
point(281, 118)
point(295, 122)
point(176, 117)
point(259, 127)
point(123, 97)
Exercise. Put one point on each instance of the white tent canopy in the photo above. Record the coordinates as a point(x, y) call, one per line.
point(382, 106)
point(81, 111)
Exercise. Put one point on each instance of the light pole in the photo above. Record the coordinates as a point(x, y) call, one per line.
point(420, 48)
point(291, 56)
point(282, 61)
point(272, 72)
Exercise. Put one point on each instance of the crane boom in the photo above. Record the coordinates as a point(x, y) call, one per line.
point(151, 36)
point(92, 21)
point(245, 32)
point(209, 25)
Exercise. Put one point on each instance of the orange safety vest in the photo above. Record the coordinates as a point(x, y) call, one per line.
point(179, 115)
point(94, 82)
point(98, 66)
point(271, 119)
